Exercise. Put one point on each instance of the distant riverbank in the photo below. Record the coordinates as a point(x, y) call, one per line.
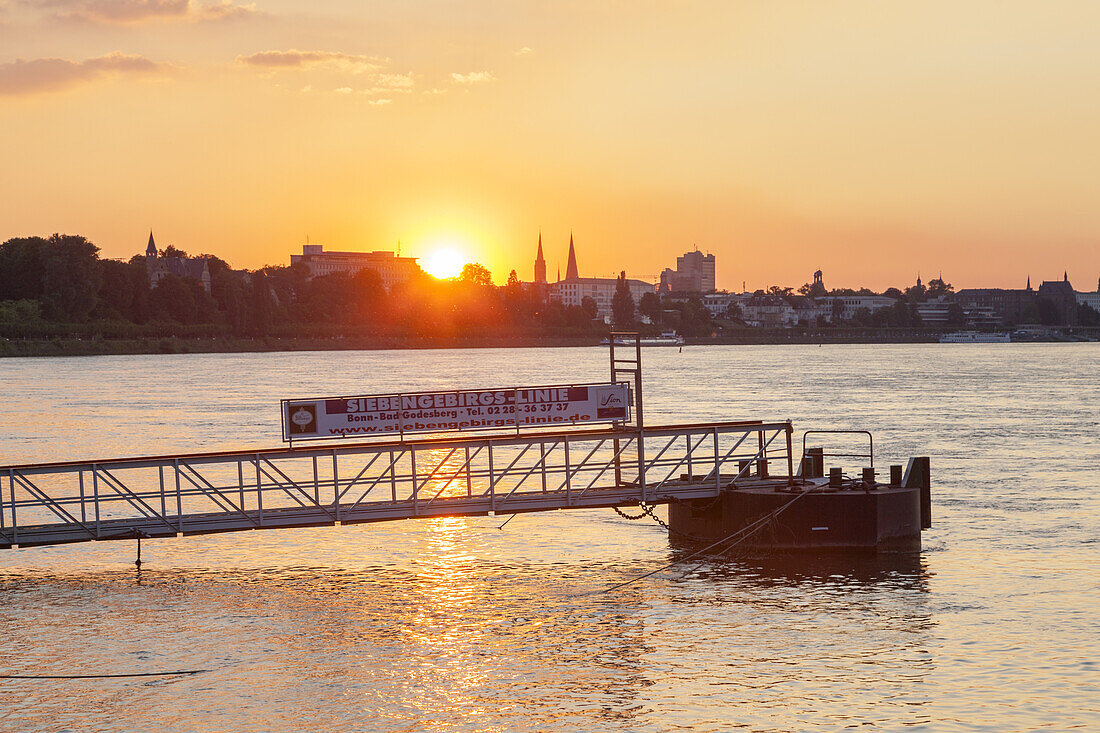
point(102, 347)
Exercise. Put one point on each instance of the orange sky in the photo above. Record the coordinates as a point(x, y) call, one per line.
point(869, 139)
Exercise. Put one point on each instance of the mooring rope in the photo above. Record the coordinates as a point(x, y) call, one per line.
point(748, 530)
point(97, 676)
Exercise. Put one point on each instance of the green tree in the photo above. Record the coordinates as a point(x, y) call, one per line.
point(20, 311)
point(622, 303)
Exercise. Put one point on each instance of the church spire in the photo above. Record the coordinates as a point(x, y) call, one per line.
point(540, 263)
point(1029, 282)
point(151, 249)
point(571, 266)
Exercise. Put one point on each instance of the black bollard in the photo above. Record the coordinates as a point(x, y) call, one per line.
point(918, 475)
point(895, 475)
point(836, 478)
point(815, 463)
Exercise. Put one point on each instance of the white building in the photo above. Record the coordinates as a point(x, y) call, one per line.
point(768, 311)
point(391, 268)
point(719, 303)
point(846, 306)
point(1092, 300)
point(600, 289)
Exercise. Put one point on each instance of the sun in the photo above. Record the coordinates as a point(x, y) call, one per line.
point(444, 262)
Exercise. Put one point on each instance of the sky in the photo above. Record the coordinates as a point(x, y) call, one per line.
point(873, 140)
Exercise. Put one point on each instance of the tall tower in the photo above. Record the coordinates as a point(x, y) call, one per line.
point(540, 263)
point(571, 266)
point(151, 249)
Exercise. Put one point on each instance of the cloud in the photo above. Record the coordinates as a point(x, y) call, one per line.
point(474, 77)
point(295, 59)
point(50, 74)
point(350, 73)
point(379, 102)
point(125, 12)
point(524, 51)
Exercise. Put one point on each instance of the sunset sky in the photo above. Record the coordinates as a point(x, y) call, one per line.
point(870, 139)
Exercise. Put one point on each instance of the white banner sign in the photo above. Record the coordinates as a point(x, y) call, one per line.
point(430, 412)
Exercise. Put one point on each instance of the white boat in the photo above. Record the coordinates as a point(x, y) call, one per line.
point(975, 337)
point(667, 338)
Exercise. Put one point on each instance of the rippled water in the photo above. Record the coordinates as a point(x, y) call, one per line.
point(452, 624)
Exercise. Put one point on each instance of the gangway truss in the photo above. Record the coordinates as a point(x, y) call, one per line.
point(351, 483)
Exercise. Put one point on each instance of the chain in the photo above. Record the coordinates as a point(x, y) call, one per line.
point(647, 511)
point(624, 515)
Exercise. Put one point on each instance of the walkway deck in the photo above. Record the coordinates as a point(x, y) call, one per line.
point(350, 483)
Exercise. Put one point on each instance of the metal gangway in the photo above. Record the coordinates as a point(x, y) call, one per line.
point(351, 483)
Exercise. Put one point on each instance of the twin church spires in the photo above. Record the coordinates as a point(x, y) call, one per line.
point(571, 272)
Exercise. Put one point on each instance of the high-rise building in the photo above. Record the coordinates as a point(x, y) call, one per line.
point(694, 273)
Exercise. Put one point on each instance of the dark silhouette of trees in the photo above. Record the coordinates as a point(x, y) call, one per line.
point(475, 274)
point(62, 273)
point(937, 287)
point(1087, 315)
point(123, 292)
point(956, 318)
point(622, 303)
point(650, 306)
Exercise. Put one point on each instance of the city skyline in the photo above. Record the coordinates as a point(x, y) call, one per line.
point(529, 272)
point(871, 141)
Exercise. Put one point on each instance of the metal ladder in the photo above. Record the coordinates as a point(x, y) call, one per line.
point(630, 367)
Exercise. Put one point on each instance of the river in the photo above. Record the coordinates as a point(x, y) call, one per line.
point(454, 625)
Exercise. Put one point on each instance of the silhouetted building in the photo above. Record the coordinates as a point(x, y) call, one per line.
point(540, 264)
point(1010, 306)
point(159, 267)
point(694, 273)
point(571, 268)
point(1060, 297)
point(390, 268)
point(574, 289)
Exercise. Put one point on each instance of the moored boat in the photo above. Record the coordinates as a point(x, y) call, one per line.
point(975, 337)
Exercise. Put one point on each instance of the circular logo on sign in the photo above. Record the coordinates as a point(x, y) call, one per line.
point(302, 417)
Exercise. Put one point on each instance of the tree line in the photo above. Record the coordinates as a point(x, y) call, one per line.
point(61, 279)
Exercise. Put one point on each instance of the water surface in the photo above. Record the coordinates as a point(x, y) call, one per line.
point(454, 625)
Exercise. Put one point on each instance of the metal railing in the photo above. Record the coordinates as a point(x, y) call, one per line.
point(52, 503)
point(870, 454)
